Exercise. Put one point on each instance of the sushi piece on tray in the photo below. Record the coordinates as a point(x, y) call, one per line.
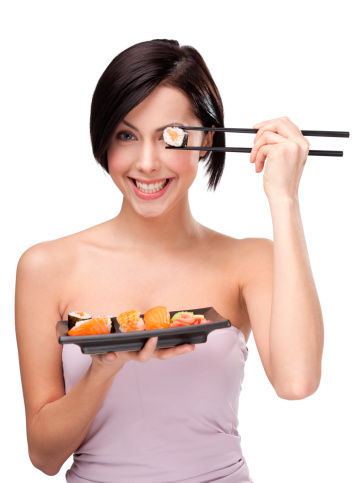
point(74, 317)
point(130, 321)
point(96, 326)
point(157, 318)
point(188, 329)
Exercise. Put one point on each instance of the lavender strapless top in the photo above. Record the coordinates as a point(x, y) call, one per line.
point(166, 421)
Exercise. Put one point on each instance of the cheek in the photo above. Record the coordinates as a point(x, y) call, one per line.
point(185, 164)
point(117, 162)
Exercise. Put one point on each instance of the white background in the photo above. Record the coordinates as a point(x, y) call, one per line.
point(269, 59)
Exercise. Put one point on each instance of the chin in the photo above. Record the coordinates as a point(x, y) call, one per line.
point(154, 212)
point(151, 214)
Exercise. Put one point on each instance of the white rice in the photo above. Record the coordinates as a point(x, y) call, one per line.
point(78, 316)
point(179, 141)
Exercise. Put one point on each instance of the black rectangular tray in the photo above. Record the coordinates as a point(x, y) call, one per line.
point(135, 340)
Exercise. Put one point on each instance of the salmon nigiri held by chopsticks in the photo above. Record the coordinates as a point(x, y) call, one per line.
point(96, 326)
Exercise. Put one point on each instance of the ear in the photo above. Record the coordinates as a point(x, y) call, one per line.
point(207, 141)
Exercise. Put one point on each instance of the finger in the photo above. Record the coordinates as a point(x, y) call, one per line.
point(147, 351)
point(263, 153)
point(268, 137)
point(174, 351)
point(282, 125)
point(269, 121)
point(260, 124)
point(110, 357)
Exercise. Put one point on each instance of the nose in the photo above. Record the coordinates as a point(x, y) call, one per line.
point(148, 157)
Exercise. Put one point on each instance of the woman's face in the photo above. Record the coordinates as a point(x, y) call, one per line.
point(151, 178)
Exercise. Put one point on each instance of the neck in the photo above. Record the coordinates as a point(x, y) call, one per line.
point(172, 230)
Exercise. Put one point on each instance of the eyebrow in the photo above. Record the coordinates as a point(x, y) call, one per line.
point(158, 129)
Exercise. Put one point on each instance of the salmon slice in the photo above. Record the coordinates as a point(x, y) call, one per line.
point(130, 321)
point(96, 326)
point(157, 318)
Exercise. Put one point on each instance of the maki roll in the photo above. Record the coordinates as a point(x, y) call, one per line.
point(74, 317)
point(157, 318)
point(175, 136)
point(130, 321)
point(96, 326)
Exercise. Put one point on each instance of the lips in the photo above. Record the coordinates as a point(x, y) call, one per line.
point(150, 189)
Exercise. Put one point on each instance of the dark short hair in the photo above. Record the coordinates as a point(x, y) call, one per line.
point(135, 73)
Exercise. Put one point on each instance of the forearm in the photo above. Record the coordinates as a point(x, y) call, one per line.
point(296, 331)
point(60, 426)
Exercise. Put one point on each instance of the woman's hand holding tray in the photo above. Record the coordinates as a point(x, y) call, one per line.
point(131, 341)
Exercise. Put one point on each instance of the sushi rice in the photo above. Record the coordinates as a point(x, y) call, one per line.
point(175, 136)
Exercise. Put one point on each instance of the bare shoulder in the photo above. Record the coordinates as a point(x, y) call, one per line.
point(41, 270)
point(252, 264)
point(55, 256)
point(42, 257)
point(248, 262)
point(39, 282)
point(248, 253)
point(45, 270)
point(256, 255)
point(254, 258)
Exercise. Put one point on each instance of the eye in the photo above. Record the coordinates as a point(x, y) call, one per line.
point(125, 136)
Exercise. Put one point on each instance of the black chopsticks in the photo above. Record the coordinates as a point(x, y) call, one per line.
point(248, 150)
point(334, 134)
point(337, 134)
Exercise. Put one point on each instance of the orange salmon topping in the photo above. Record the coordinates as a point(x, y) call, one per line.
point(96, 326)
point(157, 318)
point(130, 321)
point(173, 134)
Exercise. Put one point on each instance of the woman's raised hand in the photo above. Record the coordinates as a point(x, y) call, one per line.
point(283, 145)
point(116, 360)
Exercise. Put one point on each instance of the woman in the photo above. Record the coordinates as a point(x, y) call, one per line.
point(148, 415)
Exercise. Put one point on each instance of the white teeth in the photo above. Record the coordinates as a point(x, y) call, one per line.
point(151, 187)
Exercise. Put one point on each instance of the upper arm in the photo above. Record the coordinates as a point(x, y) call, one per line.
point(36, 314)
point(257, 294)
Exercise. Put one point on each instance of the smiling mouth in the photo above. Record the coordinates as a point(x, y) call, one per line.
point(150, 187)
